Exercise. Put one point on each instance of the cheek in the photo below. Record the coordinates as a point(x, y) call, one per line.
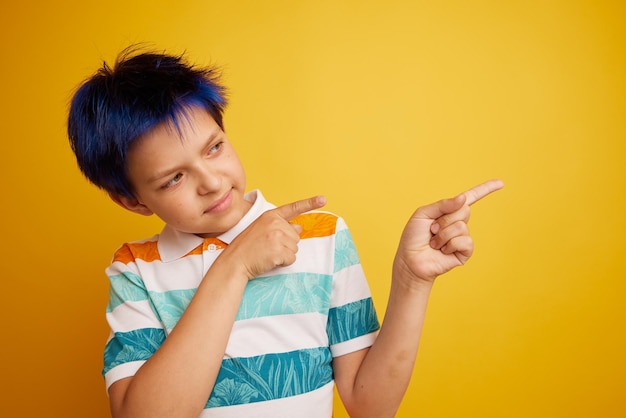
point(174, 207)
point(242, 177)
point(238, 171)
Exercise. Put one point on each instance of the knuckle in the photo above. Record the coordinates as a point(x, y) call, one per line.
point(296, 206)
point(275, 235)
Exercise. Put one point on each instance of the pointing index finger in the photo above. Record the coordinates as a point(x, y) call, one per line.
point(291, 210)
point(474, 194)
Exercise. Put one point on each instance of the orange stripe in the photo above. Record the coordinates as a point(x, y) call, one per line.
point(146, 251)
point(315, 225)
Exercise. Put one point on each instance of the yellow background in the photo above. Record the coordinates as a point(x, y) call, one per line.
point(382, 106)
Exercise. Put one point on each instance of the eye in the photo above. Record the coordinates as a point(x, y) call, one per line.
point(171, 182)
point(217, 147)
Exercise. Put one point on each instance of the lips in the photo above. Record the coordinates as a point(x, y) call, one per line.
point(222, 204)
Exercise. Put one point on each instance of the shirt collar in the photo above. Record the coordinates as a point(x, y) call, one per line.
point(174, 244)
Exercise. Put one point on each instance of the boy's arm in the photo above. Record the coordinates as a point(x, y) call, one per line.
point(178, 379)
point(372, 382)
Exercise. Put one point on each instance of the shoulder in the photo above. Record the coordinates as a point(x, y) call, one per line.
point(146, 250)
point(319, 224)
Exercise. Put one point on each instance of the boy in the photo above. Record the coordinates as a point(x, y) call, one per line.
point(217, 316)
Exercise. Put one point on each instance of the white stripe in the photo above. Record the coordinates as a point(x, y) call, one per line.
point(315, 404)
point(121, 371)
point(311, 253)
point(117, 267)
point(185, 273)
point(130, 316)
point(277, 334)
point(341, 225)
point(355, 344)
point(349, 285)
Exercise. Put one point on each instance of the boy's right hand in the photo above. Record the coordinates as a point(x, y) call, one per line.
point(271, 241)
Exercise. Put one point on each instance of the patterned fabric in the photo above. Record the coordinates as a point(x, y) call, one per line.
point(291, 322)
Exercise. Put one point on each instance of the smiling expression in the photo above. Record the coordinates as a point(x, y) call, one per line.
point(189, 176)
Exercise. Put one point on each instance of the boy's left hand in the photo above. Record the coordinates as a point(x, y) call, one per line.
point(436, 238)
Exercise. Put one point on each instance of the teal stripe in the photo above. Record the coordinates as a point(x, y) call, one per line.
point(286, 294)
point(125, 287)
point(135, 345)
point(171, 305)
point(351, 320)
point(345, 251)
point(271, 376)
point(265, 296)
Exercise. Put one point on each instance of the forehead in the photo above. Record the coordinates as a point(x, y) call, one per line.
point(170, 139)
point(188, 123)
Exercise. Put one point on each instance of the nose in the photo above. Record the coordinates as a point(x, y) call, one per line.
point(209, 180)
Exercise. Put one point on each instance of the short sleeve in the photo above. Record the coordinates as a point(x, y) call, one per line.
point(136, 331)
point(352, 319)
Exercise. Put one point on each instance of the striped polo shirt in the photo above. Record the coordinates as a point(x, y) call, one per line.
point(291, 322)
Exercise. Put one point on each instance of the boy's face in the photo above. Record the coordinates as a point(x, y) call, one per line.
point(194, 182)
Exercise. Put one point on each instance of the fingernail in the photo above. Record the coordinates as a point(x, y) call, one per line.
point(434, 228)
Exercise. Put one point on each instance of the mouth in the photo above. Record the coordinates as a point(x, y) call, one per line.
point(221, 205)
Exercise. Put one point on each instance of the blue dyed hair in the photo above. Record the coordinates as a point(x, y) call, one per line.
point(118, 105)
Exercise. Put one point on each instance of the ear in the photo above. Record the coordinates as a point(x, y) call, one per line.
point(131, 204)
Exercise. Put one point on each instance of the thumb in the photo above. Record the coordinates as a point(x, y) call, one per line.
point(291, 210)
point(297, 228)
